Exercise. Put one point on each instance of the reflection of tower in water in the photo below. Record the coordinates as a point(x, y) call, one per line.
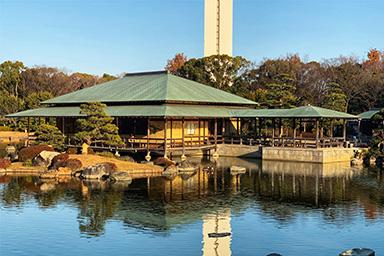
point(217, 223)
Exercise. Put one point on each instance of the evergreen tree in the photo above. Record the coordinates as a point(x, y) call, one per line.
point(50, 135)
point(335, 98)
point(281, 94)
point(97, 126)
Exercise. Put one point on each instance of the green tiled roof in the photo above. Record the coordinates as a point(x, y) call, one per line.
point(369, 114)
point(177, 110)
point(151, 87)
point(299, 112)
point(134, 111)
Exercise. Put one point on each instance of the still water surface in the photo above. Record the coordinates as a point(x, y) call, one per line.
point(289, 208)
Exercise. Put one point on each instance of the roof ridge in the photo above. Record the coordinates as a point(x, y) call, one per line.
point(166, 86)
point(213, 88)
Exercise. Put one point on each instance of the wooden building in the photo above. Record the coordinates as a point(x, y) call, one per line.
point(165, 114)
point(155, 111)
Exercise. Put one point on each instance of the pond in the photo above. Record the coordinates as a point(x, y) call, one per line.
point(288, 208)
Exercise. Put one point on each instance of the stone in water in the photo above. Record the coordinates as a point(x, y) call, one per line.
point(358, 252)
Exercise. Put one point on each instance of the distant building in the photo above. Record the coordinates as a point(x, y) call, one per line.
point(218, 27)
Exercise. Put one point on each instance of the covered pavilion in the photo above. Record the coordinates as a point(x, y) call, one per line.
point(162, 113)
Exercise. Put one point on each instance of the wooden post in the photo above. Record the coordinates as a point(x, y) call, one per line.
point(331, 133)
point(165, 137)
point(294, 132)
point(28, 129)
point(199, 133)
point(237, 127)
point(273, 132)
point(170, 135)
point(260, 126)
point(148, 134)
point(63, 125)
point(215, 134)
point(223, 130)
point(182, 135)
point(358, 129)
point(317, 133)
point(280, 128)
point(203, 132)
point(344, 130)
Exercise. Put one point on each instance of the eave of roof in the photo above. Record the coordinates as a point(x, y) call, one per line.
point(133, 111)
point(298, 112)
point(369, 114)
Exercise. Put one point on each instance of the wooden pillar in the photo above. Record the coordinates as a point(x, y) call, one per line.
point(358, 129)
point(331, 132)
point(215, 134)
point(62, 125)
point(344, 130)
point(223, 130)
point(273, 132)
point(237, 126)
point(317, 133)
point(28, 129)
point(294, 132)
point(170, 134)
point(182, 135)
point(148, 133)
point(199, 133)
point(260, 126)
point(203, 131)
point(255, 126)
point(280, 128)
point(165, 137)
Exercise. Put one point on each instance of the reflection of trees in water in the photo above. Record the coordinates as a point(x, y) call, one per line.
point(97, 206)
point(157, 204)
point(14, 193)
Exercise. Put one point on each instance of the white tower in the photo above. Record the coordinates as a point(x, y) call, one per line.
point(218, 27)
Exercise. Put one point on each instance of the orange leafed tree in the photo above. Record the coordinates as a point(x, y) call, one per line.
point(177, 62)
point(374, 56)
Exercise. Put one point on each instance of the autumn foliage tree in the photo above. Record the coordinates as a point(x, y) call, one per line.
point(176, 63)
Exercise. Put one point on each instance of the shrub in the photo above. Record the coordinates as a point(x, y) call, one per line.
point(127, 159)
point(109, 167)
point(5, 129)
point(106, 154)
point(50, 135)
point(31, 152)
point(57, 160)
point(90, 151)
point(73, 164)
point(28, 163)
point(4, 163)
point(72, 151)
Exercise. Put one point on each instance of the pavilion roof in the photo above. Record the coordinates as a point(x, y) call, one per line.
point(298, 112)
point(155, 87)
point(183, 110)
point(133, 111)
point(369, 114)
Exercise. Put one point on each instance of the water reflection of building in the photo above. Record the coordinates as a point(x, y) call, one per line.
point(158, 205)
point(217, 223)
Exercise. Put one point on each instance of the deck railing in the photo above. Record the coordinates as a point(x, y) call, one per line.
point(200, 142)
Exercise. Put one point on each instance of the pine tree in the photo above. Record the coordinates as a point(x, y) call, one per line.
point(97, 126)
point(50, 135)
point(335, 98)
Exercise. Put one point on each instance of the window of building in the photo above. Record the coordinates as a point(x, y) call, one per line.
point(191, 128)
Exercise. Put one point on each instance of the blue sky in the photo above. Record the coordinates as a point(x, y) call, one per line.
point(116, 36)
